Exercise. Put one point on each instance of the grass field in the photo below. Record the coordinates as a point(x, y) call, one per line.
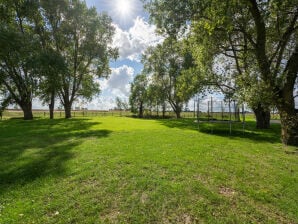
point(126, 170)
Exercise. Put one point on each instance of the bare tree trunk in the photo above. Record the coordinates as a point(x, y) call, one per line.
point(178, 112)
point(141, 110)
point(67, 109)
point(27, 110)
point(289, 120)
point(288, 117)
point(289, 129)
point(163, 110)
point(52, 105)
point(262, 117)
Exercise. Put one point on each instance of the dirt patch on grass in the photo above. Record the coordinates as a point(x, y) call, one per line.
point(182, 219)
point(227, 192)
point(144, 197)
point(111, 216)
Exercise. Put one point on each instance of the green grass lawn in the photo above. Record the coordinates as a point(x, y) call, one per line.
point(126, 170)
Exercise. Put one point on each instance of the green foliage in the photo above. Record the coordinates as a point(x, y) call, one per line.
point(121, 104)
point(261, 33)
point(173, 73)
point(51, 48)
point(19, 46)
point(50, 66)
point(138, 94)
point(82, 36)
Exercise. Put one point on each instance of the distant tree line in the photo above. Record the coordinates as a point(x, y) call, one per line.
point(247, 49)
point(52, 50)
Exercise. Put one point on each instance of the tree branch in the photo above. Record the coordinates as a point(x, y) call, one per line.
point(260, 48)
point(283, 43)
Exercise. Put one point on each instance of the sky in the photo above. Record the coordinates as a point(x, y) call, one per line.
point(133, 34)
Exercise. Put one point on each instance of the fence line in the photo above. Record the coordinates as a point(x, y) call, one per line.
point(61, 114)
point(100, 113)
point(92, 113)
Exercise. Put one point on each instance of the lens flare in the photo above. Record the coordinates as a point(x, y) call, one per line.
point(124, 7)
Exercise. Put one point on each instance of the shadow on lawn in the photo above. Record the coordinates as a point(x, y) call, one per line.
point(271, 135)
point(34, 149)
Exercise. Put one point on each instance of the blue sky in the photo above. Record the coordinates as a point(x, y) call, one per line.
point(133, 35)
point(114, 8)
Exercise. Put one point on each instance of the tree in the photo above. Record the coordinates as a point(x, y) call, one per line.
point(18, 47)
point(49, 64)
point(121, 104)
point(233, 77)
point(156, 96)
point(39, 38)
point(50, 67)
point(168, 62)
point(137, 98)
point(265, 29)
point(82, 37)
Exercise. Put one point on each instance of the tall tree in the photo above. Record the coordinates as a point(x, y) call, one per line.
point(50, 64)
point(235, 80)
point(269, 31)
point(82, 37)
point(168, 63)
point(50, 67)
point(19, 46)
point(156, 97)
point(138, 96)
point(121, 104)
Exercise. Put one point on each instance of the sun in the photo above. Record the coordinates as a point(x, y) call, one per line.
point(123, 12)
point(123, 7)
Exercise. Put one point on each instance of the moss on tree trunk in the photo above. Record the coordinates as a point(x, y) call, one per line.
point(289, 128)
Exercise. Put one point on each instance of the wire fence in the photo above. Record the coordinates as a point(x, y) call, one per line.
point(93, 113)
point(61, 114)
point(117, 113)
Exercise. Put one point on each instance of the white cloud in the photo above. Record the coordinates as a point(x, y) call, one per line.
point(118, 83)
point(102, 103)
point(136, 40)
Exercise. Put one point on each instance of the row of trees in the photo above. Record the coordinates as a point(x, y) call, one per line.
point(52, 49)
point(248, 49)
point(167, 78)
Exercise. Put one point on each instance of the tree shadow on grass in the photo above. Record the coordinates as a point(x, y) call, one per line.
point(222, 129)
point(31, 150)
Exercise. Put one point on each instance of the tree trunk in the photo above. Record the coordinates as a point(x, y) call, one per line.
point(141, 110)
point(289, 126)
point(27, 110)
point(178, 112)
point(67, 109)
point(262, 117)
point(163, 110)
point(237, 115)
point(52, 105)
point(288, 116)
